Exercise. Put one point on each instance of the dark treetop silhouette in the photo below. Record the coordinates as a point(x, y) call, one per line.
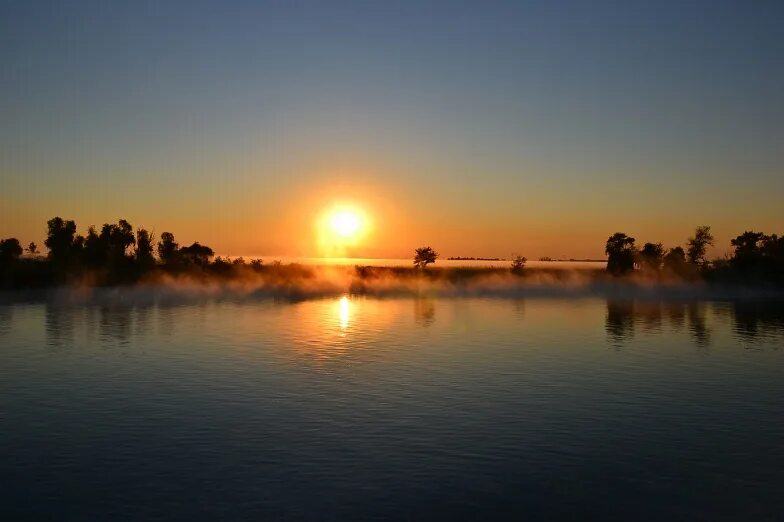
point(424, 256)
point(620, 252)
point(757, 258)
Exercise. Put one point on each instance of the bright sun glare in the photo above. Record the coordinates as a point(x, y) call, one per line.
point(341, 229)
point(345, 223)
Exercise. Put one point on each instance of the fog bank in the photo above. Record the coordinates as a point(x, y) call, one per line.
point(324, 282)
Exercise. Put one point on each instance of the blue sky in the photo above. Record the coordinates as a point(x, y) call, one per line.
point(513, 123)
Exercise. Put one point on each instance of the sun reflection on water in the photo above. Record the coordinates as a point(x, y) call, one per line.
point(341, 326)
point(344, 312)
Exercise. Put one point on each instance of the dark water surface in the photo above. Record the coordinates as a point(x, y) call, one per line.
point(402, 408)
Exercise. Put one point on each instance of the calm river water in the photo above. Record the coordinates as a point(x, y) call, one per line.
point(356, 408)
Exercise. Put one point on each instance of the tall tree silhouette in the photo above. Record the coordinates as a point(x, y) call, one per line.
point(168, 249)
point(95, 250)
point(698, 244)
point(620, 252)
point(143, 252)
point(118, 238)
point(59, 239)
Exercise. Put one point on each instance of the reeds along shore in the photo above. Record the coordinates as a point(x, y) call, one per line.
point(118, 255)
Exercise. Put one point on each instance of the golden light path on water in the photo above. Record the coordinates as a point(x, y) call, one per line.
point(344, 312)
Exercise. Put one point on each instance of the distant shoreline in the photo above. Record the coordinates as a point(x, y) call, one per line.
point(459, 258)
point(571, 260)
point(120, 256)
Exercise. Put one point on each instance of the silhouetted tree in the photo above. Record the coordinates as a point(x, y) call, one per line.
point(748, 250)
point(168, 249)
point(59, 240)
point(698, 244)
point(651, 256)
point(95, 250)
point(220, 264)
point(424, 256)
point(758, 254)
point(620, 253)
point(256, 264)
point(773, 248)
point(117, 238)
point(518, 264)
point(197, 254)
point(32, 248)
point(143, 252)
point(110, 250)
point(675, 261)
point(773, 254)
point(10, 250)
point(77, 247)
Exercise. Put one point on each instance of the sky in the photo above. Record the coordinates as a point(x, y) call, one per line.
point(479, 128)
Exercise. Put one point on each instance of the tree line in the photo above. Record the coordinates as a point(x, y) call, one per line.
point(118, 254)
point(114, 254)
point(755, 256)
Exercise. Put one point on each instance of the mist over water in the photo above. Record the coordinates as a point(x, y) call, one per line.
point(415, 407)
point(300, 282)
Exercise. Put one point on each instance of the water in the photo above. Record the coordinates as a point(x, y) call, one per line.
point(351, 408)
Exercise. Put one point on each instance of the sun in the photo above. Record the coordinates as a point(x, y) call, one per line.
point(341, 229)
point(345, 223)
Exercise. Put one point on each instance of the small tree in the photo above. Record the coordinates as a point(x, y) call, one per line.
point(518, 264)
point(697, 245)
point(620, 253)
point(424, 256)
point(32, 248)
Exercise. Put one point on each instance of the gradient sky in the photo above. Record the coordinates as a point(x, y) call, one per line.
point(481, 128)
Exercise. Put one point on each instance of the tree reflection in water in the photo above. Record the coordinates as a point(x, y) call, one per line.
point(424, 311)
point(750, 320)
